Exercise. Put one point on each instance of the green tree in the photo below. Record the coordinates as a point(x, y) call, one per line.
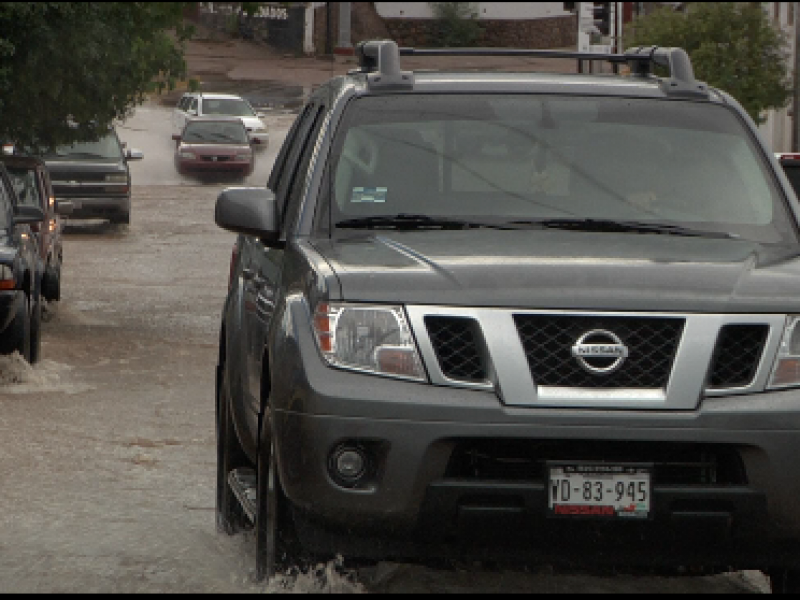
point(733, 47)
point(458, 24)
point(86, 63)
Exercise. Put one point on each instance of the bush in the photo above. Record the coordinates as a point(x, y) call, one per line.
point(733, 47)
point(458, 24)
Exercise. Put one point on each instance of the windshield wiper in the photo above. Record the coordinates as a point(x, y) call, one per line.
point(81, 154)
point(609, 225)
point(410, 221)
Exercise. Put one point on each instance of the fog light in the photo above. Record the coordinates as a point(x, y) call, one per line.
point(348, 464)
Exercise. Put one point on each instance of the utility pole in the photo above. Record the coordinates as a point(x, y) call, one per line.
point(344, 44)
point(796, 99)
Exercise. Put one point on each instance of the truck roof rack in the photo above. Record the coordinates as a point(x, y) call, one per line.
point(380, 60)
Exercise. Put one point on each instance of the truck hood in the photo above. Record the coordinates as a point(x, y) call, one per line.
point(555, 269)
point(63, 168)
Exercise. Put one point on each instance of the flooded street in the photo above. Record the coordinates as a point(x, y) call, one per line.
point(108, 446)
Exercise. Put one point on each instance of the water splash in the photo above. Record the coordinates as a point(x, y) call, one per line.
point(324, 578)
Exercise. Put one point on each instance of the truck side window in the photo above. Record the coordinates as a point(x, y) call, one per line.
point(294, 203)
point(274, 181)
point(288, 177)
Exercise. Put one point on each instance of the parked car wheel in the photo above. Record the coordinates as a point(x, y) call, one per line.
point(230, 455)
point(51, 284)
point(785, 581)
point(277, 546)
point(19, 332)
point(35, 331)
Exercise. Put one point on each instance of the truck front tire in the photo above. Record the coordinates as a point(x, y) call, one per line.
point(230, 515)
point(17, 338)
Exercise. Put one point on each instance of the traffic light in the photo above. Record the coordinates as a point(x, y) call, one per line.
point(601, 12)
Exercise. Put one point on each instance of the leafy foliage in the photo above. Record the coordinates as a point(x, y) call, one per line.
point(458, 24)
point(69, 69)
point(733, 47)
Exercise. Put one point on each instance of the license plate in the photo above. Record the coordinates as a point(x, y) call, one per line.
point(596, 490)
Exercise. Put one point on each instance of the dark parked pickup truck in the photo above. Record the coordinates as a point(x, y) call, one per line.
point(543, 318)
point(94, 177)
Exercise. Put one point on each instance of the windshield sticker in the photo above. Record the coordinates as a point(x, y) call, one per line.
point(369, 194)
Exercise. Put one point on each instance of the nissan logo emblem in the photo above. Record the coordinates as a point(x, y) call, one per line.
point(600, 352)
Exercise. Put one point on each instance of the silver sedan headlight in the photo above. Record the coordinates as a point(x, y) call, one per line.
point(367, 338)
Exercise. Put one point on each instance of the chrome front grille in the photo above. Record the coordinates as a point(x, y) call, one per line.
point(548, 339)
point(528, 358)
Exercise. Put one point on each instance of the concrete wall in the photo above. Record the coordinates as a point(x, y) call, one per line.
point(368, 24)
point(485, 10)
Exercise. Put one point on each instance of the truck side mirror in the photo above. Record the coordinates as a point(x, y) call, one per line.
point(250, 211)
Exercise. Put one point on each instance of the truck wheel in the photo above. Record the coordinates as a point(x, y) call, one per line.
point(277, 546)
point(18, 335)
point(784, 581)
point(36, 331)
point(124, 219)
point(230, 515)
point(51, 284)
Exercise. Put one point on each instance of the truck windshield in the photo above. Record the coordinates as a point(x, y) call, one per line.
point(227, 106)
point(106, 147)
point(513, 158)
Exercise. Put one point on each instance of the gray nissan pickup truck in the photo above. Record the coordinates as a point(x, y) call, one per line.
point(528, 317)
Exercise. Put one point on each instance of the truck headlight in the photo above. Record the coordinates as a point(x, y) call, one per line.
point(188, 155)
point(786, 371)
point(117, 178)
point(370, 338)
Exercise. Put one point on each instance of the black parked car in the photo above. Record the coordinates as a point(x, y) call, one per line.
point(32, 185)
point(535, 317)
point(94, 177)
point(20, 275)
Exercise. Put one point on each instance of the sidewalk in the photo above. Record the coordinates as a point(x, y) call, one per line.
point(239, 60)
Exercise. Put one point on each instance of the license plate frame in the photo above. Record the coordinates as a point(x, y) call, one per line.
point(567, 497)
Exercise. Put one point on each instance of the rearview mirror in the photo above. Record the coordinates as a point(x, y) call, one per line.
point(176, 137)
point(26, 215)
point(250, 211)
point(134, 154)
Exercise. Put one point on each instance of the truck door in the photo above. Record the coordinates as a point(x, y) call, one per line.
point(263, 269)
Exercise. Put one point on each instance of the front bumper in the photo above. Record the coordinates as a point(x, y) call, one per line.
point(204, 166)
point(90, 208)
point(416, 502)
